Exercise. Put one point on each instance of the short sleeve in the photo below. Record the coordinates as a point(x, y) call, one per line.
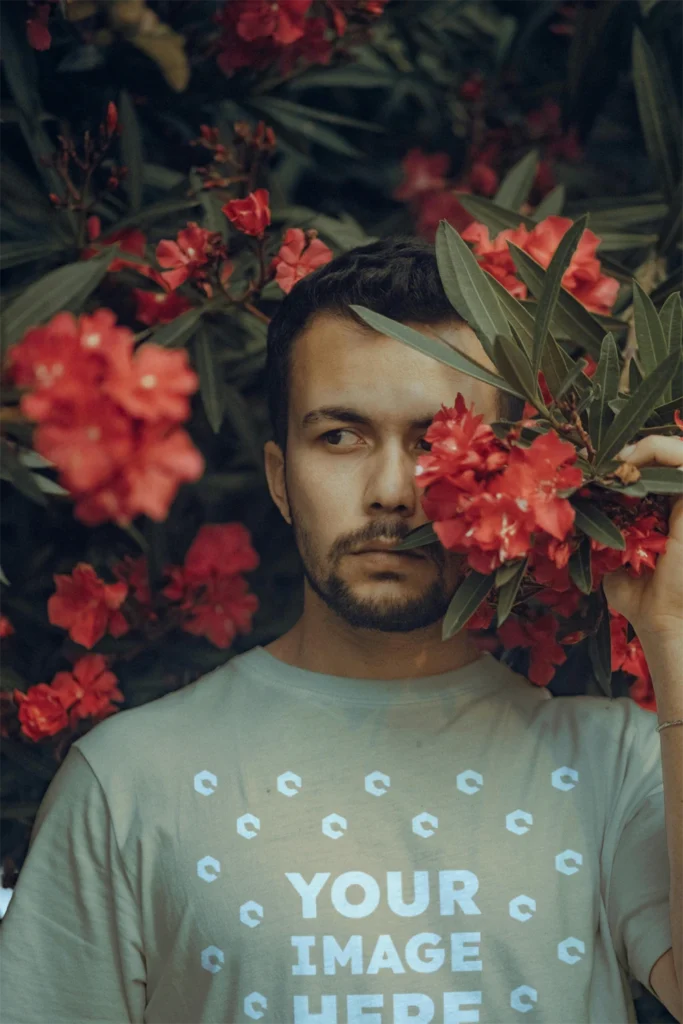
point(70, 945)
point(636, 849)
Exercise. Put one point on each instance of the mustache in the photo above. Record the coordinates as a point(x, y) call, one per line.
point(395, 532)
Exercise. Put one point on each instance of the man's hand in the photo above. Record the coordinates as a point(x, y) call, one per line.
point(653, 603)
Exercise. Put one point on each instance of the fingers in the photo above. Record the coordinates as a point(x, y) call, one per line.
point(664, 451)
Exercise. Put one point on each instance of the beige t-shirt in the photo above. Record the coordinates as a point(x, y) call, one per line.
point(280, 845)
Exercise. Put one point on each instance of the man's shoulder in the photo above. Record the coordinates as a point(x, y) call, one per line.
point(619, 721)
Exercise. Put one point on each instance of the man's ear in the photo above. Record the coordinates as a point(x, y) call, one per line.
point(274, 462)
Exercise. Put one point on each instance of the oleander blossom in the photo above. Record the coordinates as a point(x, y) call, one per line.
point(300, 253)
point(583, 278)
point(108, 415)
point(86, 606)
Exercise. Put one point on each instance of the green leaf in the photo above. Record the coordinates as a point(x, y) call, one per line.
point(571, 378)
point(351, 77)
point(495, 218)
point(309, 128)
point(580, 566)
point(619, 217)
point(15, 254)
point(600, 646)
point(210, 386)
point(551, 287)
point(637, 409)
point(606, 385)
point(467, 286)
point(517, 315)
point(12, 470)
point(236, 411)
point(658, 123)
point(302, 112)
point(433, 347)
point(551, 205)
point(514, 189)
point(670, 228)
point(507, 570)
point(508, 592)
point(516, 368)
point(465, 602)
point(61, 288)
point(570, 318)
point(662, 479)
point(671, 319)
point(131, 150)
point(652, 344)
point(419, 538)
point(176, 333)
point(591, 521)
point(613, 241)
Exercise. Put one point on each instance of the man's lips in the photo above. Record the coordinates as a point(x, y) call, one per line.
point(387, 551)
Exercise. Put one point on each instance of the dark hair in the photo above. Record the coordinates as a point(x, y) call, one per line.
point(397, 277)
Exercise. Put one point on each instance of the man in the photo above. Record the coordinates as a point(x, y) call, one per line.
point(358, 821)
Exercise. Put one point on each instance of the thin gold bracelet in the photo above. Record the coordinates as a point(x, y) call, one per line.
point(678, 721)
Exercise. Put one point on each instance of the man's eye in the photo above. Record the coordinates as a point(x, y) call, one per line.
point(332, 434)
point(427, 444)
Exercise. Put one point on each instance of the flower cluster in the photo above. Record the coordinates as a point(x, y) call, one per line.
point(108, 416)
point(263, 34)
point(87, 691)
point(211, 591)
point(433, 197)
point(501, 502)
point(583, 277)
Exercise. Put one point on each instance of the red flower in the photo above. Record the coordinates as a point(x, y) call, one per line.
point(135, 574)
point(224, 609)
point(281, 20)
point(148, 482)
point(41, 712)
point(645, 539)
point(299, 254)
point(159, 307)
point(438, 206)
point(130, 240)
point(546, 653)
point(534, 477)
point(496, 257)
point(482, 179)
point(220, 549)
point(6, 627)
point(472, 88)
point(87, 443)
point(112, 121)
point(464, 449)
point(37, 32)
point(313, 47)
point(154, 385)
point(87, 607)
point(184, 257)
point(423, 172)
point(250, 215)
point(87, 691)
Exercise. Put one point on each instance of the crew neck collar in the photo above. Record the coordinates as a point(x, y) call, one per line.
point(484, 674)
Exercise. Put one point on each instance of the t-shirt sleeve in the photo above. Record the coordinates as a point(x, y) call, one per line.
point(636, 850)
point(70, 945)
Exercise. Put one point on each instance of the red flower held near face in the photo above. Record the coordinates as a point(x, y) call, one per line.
point(87, 607)
point(539, 636)
point(250, 215)
point(300, 253)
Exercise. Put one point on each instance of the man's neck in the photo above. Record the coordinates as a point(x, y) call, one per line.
point(323, 642)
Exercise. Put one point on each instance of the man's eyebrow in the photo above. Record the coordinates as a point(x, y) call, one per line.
point(346, 415)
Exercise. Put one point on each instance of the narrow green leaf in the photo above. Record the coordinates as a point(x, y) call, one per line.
point(12, 470)
point(307, 128)
point(551, 286)
point(52, 293)
point(670, 228)
point(303, 112)
point(15, 254)
point(570, 318)
point(671, 318)
point(656, 120)
point(600, 646)
point(467, 286)
point(580, 566)
point(506, 572)
point(517, 315)
point(131, 150)
point(465, 602)
point(514, 189)
point(176, 333)
point(606, 382)
point(433, 347)
point(662, 479)
point(237, 413)
point(516, 368)
point(551, 205)
point(209, 383)
point(508, 592)
point(652, 344)
point(591, 521)
point(570, 380)
point(419, 538)
point(617, 218)
point(637, 408)
point(495, 218)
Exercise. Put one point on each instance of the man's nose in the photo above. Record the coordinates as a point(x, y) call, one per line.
point(391, 485)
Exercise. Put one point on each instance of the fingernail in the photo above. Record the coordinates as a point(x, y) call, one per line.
point(627, 452)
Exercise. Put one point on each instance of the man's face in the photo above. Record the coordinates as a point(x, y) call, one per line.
point(359, 407)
